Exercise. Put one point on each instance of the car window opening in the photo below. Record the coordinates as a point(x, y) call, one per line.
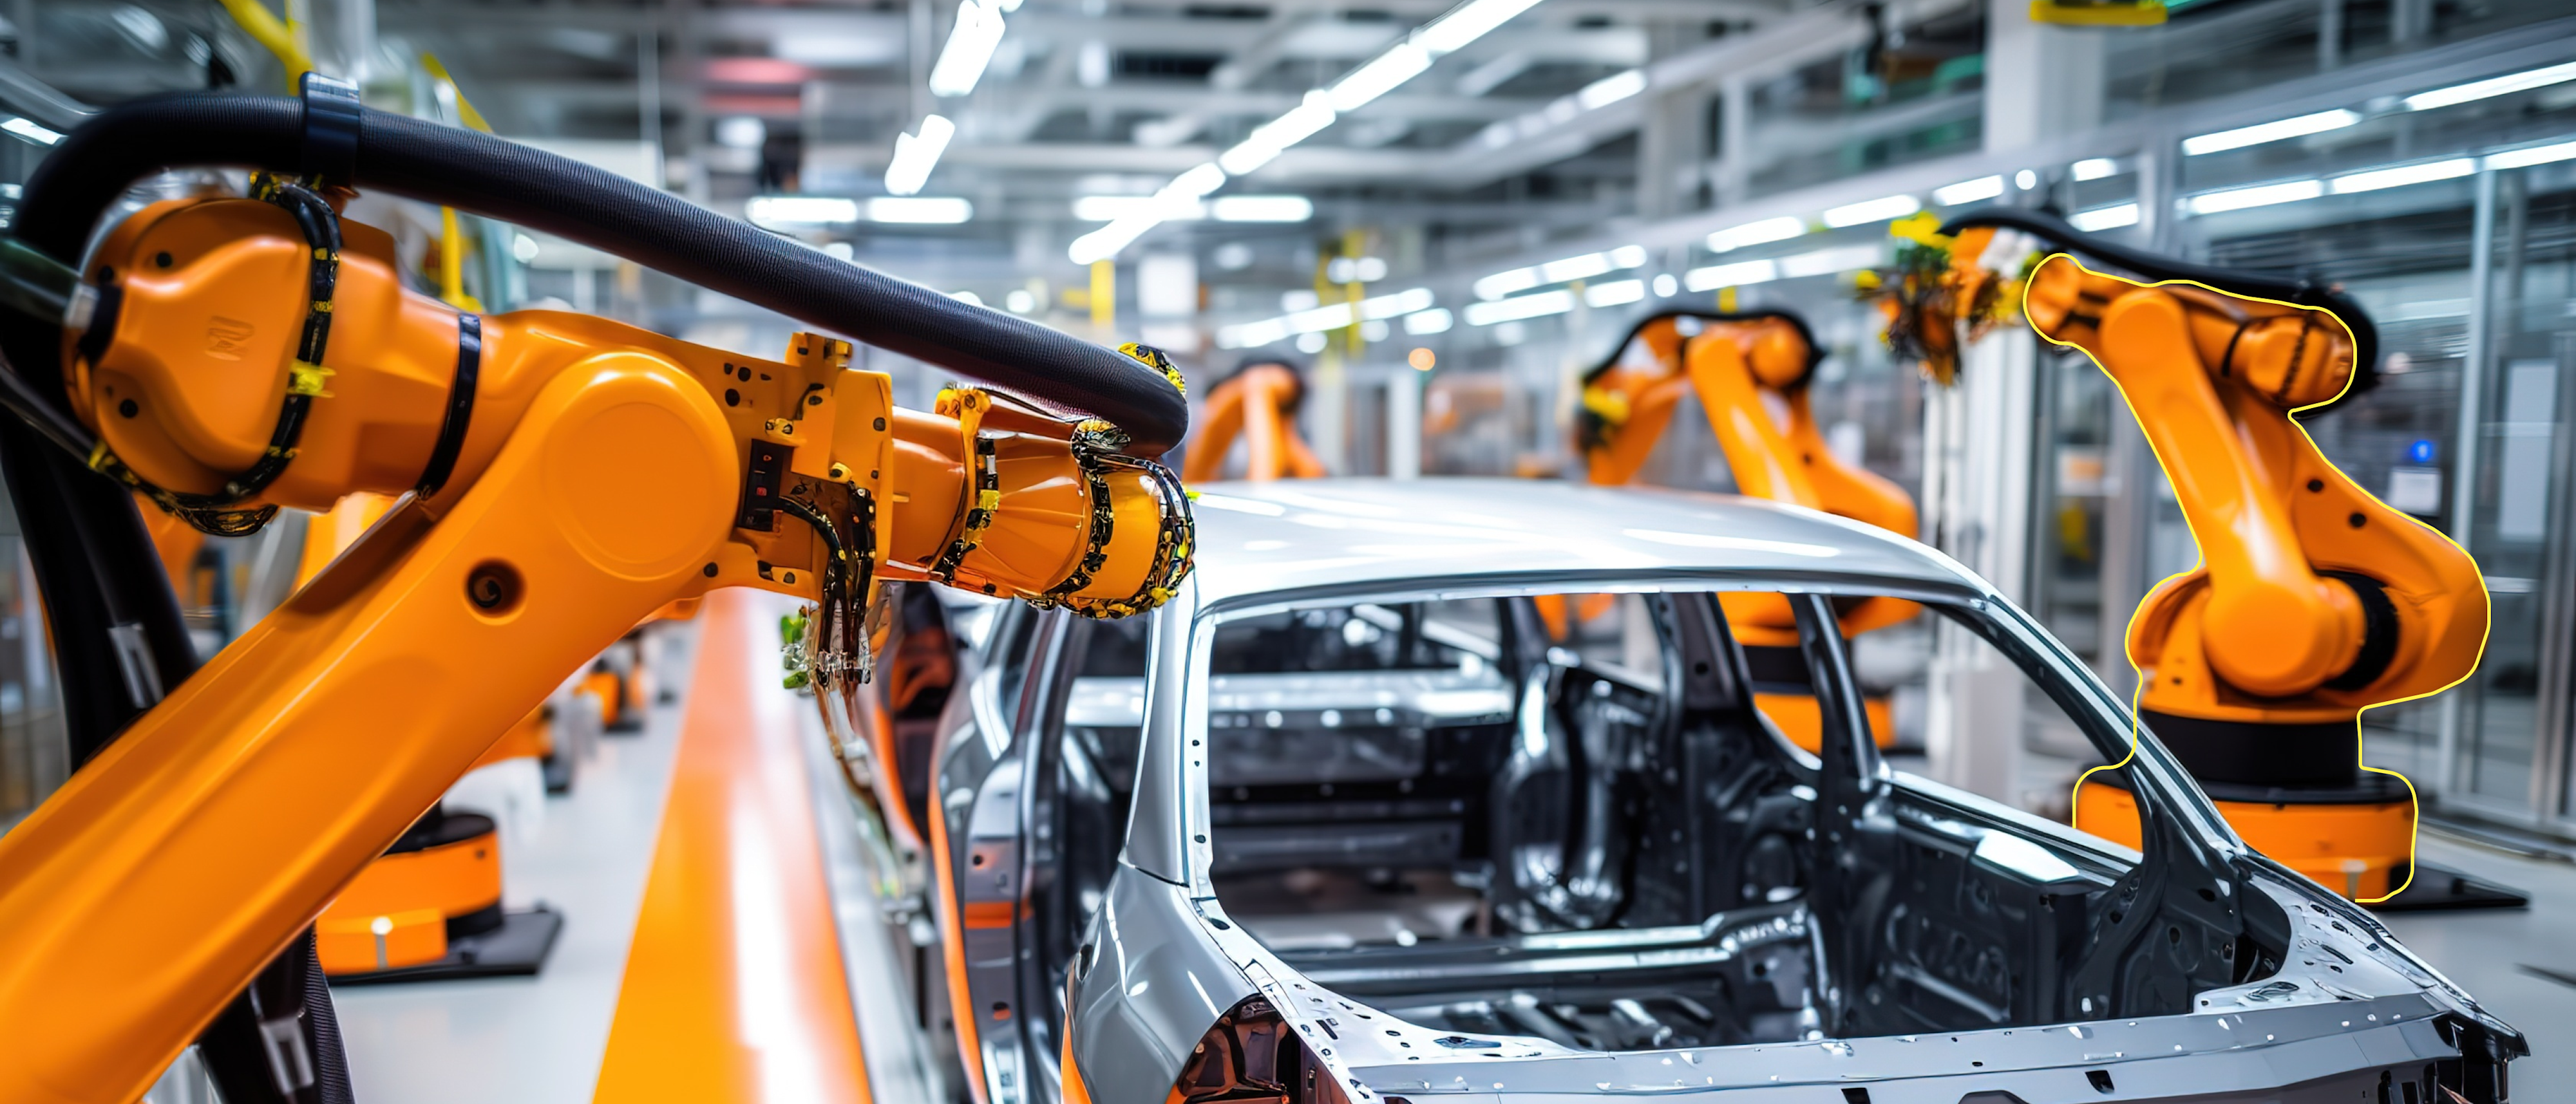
point(1482, 822)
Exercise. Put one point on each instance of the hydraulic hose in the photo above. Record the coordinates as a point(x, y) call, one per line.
point(2154, 266)
point(477, 172)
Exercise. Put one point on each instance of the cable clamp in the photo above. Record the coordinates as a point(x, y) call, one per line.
point(304, 378)
point(332, 115)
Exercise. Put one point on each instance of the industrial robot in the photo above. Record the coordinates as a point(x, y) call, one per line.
point(561, 478)
point(2313, 600)
point(1258, 402)
point(1750, 373)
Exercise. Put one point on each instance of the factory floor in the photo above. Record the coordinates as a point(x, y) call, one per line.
point(720, 942)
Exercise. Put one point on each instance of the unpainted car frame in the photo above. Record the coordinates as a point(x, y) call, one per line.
point(1067, 967)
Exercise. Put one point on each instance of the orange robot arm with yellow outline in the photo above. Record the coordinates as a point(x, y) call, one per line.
point(2314, 600)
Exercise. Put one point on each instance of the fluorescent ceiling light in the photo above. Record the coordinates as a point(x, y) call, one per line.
point(1826, 262)
point(1389, 306)
point(1582, 267)
point(1262, 208)
point(1435, 320)
point(1614, 293)
point(970, 48)
point(1737, 274)
point(2534, 155)
point(1782, 228)
point(2105, 218)
point(1526, 306)
point(799, 210)
point(919, 209)
point(2403, 175)
point(1968, 191)
point(1872, 210)
point(1501, 284)
point(1611, 89)
point(1296, 125)
point(1103, 208)
point(1468, 22)
point(2274, 131)
point(916, 154)
point(2261, 195)
point(2094, 168)
point(967, 297)
point(29, 130)
point(2492, 86)
point(1400, 63)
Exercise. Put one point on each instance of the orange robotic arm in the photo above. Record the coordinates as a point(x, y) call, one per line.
point(580, 475)
point(1258, 403)
point(2315, 598)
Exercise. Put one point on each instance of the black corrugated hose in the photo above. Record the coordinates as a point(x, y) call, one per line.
point(477, 172)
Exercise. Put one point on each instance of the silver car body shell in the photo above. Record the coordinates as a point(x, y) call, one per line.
point(1166, 962)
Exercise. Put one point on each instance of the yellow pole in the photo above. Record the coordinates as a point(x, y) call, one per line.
point(1104, 294)
point(284, 38)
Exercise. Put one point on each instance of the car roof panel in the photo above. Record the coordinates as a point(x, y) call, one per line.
point(1263, 538)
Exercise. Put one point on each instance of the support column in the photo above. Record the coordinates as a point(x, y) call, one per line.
point(2042, 81)
point(1978, 451)
point(1403, 424)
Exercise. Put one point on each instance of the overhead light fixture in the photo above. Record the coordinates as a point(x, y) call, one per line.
point(1666, 285)
point(920, 209)
point(2531, 155)
point(1266, 141)
point(1177, 199)
point(1376, 77)
point(1333, 316)
point(1402, 302)
point(2105, 218)
point(1968, 191)
point(916, 154)
point(1610, 89)
point(2093, 168)
point(30, 130)
point(1468, 22)
point(2277, 130)
point(2492, 86)
point(776, 211)
point(2260, 195)
point(1614, 293)
point(970, 48)
point(1435, 320)
point(1104, 208)
point(1515, 309)
point(1580, 267)
point(1826, 262)
point(1737, 274)
point(1872, 210)
point(1782, 228)
point(1262, 208)
point(1400, 63)
point(2025, 180)
point(967, 297)
point(2402, 175)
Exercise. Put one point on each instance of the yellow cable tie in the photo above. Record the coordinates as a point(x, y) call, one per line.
point(990, 500)
point(307, 378)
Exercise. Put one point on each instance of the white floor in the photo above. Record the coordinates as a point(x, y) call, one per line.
point(2484, 951)
point(537, 1040)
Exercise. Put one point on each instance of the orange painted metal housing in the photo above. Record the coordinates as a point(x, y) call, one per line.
point(395, 912)
point(1258, 404)
point(2273, 627)
point(1750, 376)
point(2360, 850)
point(602, 477)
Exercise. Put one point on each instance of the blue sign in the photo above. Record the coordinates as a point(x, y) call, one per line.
point(2421, 452)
